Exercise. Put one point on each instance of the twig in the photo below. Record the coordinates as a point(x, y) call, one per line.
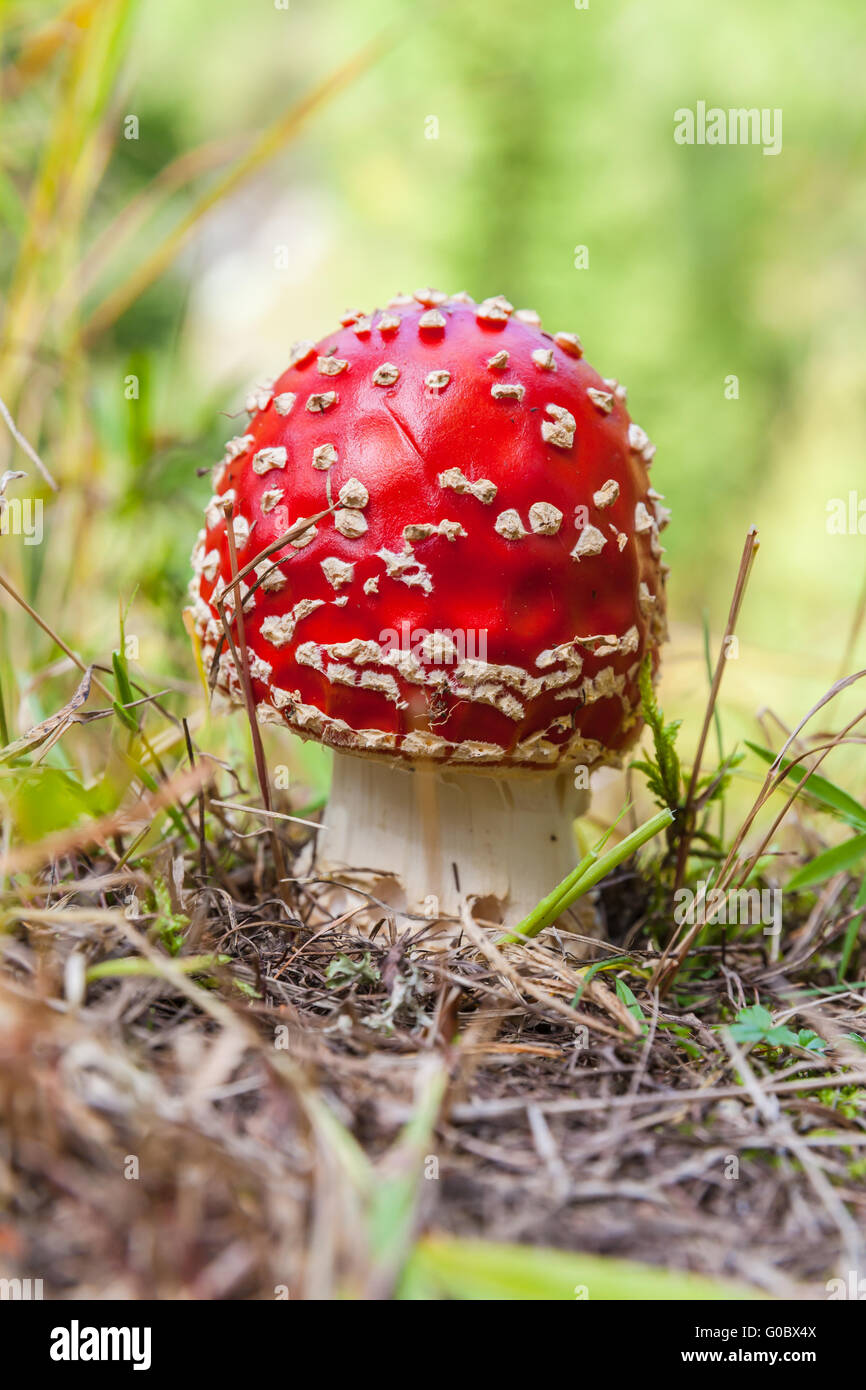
point(76, 660)
point(202, 843)
point(777, 774)
point(856, 627)
point(272, 815)
point(524, 985)
point(294, 530)
point(26, 445)
point(768, 1107)
point(499, 1108)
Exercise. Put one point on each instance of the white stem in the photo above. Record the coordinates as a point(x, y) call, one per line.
point(453, 837)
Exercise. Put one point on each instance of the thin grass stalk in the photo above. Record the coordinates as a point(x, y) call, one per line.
point(772, 778)
point(800, 786)
point(590, 871)
point(750, 550)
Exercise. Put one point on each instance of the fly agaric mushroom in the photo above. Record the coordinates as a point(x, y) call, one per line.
point(465, 625)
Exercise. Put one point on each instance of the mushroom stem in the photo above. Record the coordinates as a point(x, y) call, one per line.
point(446, 838)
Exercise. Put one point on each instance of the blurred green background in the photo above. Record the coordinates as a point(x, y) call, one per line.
point(554, 131)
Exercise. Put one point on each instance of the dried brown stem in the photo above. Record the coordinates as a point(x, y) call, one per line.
point(750, 550)
point(246, 680)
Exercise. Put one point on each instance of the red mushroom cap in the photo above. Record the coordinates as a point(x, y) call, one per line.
point(490, 577)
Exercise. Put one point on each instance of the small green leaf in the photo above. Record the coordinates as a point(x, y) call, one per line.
point(756, 1016)
point(343, 971)
point(682, 1035)
point(125, 693)
point(127, 719)
point(625, 996)
point(755, 1025)
point(608, 963)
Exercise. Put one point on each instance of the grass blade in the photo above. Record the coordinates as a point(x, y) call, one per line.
point(590, 871)
point(851, 933)
point(477, 1269)
point(837, 860)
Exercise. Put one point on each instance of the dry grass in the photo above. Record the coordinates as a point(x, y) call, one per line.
point(232, 1119)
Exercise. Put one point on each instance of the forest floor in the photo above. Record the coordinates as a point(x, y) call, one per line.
point(300, 1106)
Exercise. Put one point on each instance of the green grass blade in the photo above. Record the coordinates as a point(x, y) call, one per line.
point(541, 911)
point(546, 909)
point(590, 871)
point(626, 996)
point(833, 861)
point(589, 974)
point(394, 1198)
point(483, 1270)
point(819, 788)
point(851, 933)
point(128, 966)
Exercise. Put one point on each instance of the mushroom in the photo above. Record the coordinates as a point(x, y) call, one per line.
point(466, 624)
